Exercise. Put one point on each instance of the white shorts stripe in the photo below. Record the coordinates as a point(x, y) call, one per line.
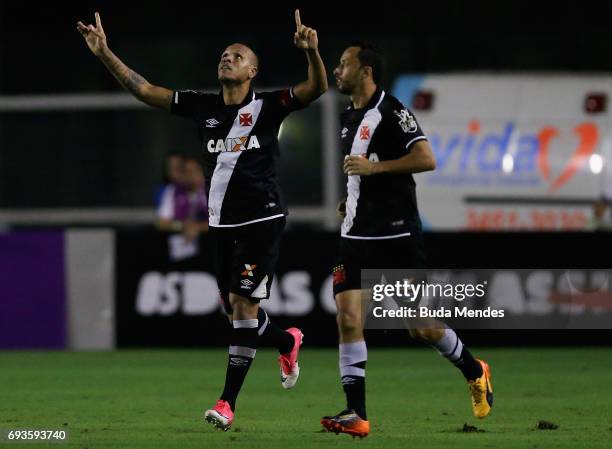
point(246, 222)
point(264, 326)
point(383, 237)
point(261, 291)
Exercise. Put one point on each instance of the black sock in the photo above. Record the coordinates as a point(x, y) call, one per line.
point(353, 357)
point(242, 351)
point(354, 389)
point(270, 332)
point(451, 347)
point(468, 365)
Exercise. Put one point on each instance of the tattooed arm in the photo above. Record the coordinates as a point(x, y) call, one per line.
point(146, 92)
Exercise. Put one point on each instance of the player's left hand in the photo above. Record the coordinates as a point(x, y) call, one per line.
point(358, 165)
point(304, 37)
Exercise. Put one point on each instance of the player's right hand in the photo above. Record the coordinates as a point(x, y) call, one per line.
point(94, 35)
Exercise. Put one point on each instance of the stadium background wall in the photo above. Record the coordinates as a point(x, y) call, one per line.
point(157, 300)
point(119, 287)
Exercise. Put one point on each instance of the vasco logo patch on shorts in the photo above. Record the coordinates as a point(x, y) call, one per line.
point(339, 274)
point(248, 270)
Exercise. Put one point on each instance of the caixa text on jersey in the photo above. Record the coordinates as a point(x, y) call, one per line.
point(232, 144)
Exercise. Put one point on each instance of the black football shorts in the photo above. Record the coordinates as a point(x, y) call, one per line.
point(355, 255)
point(246, 258)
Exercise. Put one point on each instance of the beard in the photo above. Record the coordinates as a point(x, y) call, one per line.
point(345, 88)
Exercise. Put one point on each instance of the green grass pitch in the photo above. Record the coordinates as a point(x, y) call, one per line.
point(416, 399)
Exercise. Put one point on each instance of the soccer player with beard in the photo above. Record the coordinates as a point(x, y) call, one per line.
point(383, 146)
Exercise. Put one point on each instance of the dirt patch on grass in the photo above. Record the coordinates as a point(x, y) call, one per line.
point(470, 429)
point(546, 425)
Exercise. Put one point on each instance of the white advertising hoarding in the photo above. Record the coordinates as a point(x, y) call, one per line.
point(514, 152)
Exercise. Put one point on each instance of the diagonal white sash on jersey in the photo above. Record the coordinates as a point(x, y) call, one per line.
point(371, 119)
point(226, 162)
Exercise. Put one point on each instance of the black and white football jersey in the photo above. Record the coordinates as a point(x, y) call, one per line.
point(380, 206)
point(240, 147)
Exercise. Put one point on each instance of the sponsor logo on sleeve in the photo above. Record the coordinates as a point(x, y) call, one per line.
point(406, 121)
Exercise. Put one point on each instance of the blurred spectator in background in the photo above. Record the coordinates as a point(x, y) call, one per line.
point(599, 221)
point(174, 174)
point(183, 206)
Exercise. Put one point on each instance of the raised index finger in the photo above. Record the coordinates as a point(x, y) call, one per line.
point(298, 22)
point(98, 21)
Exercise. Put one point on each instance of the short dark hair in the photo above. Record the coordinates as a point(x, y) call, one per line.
point(370, 55)
point(256, 59)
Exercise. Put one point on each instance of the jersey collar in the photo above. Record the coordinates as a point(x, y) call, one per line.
point(250, 96)
point(373, 101)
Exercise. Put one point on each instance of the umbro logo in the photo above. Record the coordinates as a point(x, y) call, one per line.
point(347, 380)
point(238, 361)
point(212, 123)
point(344, 132)
point(246, 282)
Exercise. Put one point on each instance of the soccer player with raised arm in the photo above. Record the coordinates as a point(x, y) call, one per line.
point(383, 146)
point(238, 128)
